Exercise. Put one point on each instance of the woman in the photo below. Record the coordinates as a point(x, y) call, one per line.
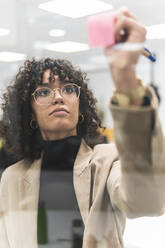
point(50, 101)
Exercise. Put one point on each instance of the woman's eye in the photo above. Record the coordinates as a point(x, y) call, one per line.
point(68, 89)
point(43, 92)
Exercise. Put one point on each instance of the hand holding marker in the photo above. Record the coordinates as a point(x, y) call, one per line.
point(100, 33)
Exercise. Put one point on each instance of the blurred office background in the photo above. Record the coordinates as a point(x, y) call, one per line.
point(58, 29)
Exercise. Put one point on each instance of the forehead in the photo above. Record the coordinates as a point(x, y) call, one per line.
point(46, 77)
point(46, 80)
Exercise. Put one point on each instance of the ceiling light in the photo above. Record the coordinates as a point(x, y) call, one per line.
point(57, 32)
point(156, 31)
point(11, 56)
point(67, 47)
point(75, 8)
point(4, 31)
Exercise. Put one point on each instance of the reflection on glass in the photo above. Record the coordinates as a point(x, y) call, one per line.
point(71, 186)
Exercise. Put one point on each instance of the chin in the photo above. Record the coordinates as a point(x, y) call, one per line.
point(62, 126)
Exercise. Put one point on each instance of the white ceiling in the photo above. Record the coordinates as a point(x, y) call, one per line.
point(29, 24)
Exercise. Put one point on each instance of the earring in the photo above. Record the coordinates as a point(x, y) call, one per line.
point(81, 118)
point(32, 125)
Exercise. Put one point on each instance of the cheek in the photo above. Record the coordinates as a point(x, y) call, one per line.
point(75, 112)
point(39, 114)
point(41, 118)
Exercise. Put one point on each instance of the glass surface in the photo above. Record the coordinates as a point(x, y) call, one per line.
point(41, 208)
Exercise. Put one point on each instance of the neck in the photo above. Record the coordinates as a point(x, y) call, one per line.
point(57, 136)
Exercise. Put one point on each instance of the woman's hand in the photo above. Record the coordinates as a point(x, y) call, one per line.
point(131, 34)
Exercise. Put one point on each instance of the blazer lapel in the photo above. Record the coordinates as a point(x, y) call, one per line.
point(29, 188)
point(82, 178)
point(28, 204)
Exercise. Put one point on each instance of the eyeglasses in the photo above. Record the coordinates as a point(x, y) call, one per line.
point(45, 95)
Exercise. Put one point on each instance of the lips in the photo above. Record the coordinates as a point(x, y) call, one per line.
point(58, 110)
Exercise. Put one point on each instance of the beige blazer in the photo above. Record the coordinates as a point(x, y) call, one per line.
point(107, 189)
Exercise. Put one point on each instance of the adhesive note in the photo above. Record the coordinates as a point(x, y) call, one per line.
point(101, 29)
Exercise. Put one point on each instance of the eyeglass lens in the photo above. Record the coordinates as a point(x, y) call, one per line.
point(45, 95)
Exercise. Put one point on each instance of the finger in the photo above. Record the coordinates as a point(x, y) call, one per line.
point(125, 12)
point(121, 28)
point(122, 34)
point(128, 29)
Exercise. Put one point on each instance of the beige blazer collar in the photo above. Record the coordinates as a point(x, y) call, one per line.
point(81, 163)
point(82, 179)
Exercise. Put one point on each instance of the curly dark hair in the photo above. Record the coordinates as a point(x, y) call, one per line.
point(19, 138)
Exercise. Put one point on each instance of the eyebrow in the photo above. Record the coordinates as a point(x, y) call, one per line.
point(46, 84)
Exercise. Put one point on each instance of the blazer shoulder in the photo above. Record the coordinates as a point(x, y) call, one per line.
point(105, 155)
point(109, 150)
point(14, 170)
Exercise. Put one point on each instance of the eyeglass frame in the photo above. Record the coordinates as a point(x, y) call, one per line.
point(54, 90)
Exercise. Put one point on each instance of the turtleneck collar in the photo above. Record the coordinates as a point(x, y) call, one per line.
point(60, 154)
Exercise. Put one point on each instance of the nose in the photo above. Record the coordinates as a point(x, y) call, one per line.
point(57, 98)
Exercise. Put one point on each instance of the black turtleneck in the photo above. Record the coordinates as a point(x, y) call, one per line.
point(57, 172)
point(60, 154)
point(56, 185)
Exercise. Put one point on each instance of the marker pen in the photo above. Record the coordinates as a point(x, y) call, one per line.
point(147, 53)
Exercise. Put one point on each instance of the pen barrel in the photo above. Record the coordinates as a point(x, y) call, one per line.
point(145, 53)
point(148, 54)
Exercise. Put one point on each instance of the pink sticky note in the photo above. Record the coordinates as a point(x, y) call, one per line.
point(100, 29)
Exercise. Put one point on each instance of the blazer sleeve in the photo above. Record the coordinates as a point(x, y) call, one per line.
point(3, 234)
point(136, 183)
